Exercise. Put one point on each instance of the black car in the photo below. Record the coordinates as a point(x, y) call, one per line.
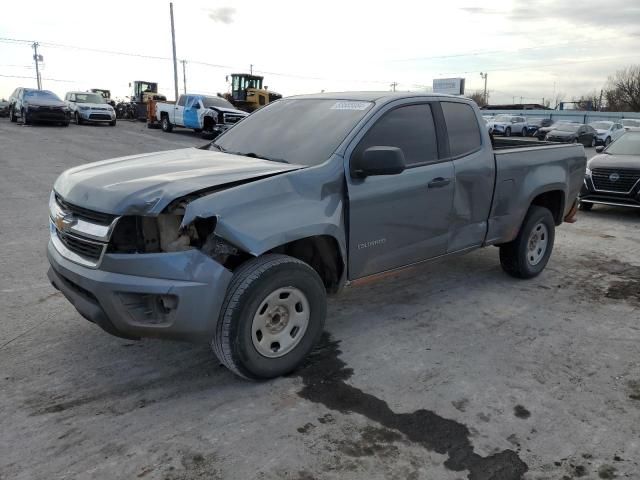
point(32, 105)
point(4, 108)
point(613, 177)
point(534, 124)
point(573, 133)
point(541, 132)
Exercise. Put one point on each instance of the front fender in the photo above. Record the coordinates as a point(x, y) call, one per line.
point(260, 216)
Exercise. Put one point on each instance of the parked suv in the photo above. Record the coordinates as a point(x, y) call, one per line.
point(87, 107)
point(508, 125)
point(32, 105)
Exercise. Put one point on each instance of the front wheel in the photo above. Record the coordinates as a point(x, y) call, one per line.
point(523, 132)
point(272, 316)
point(25, 119)
point(607, 141)
point(528, 254)
point(507, 132)
point(12, 115)
point(112, 123)
point(166, 125)
point(593, 142)
point(77, 119)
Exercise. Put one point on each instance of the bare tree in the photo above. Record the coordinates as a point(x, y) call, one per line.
point(559, 97)
point(623, 90)
point(478, 97)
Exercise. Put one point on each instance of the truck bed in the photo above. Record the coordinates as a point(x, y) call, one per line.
point(525, 164)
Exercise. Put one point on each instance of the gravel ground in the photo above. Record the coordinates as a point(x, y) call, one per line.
point(446, 371)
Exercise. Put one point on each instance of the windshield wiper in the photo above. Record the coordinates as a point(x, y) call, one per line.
point(218, 147)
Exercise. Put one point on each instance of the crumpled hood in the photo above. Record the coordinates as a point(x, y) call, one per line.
point(147, 183)
point(229, 110)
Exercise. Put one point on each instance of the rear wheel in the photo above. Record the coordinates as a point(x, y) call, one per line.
point(593, 142)
point(523, 132)
point(12, 115)
point(166, 124)
point(528, 254)
point(507, 132)
point(272, 316)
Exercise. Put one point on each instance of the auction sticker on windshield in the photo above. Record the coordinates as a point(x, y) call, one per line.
point(350, 106)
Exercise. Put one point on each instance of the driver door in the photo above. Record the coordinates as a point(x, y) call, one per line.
point(396, 220)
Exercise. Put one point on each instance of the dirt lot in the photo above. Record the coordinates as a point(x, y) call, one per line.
point(448, 371)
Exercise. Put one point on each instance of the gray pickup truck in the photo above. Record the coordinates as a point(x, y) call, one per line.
point(238, 243)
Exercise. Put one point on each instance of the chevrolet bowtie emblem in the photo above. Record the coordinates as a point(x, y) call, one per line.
point(64, 221)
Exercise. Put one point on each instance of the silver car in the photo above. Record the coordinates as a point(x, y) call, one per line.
point(87, 107)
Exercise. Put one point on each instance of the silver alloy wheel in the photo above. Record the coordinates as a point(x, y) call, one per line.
point(280, 322)
point(593, 142)
point(537, 244)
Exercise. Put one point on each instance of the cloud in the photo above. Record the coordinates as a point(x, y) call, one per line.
point(613, 13)
point(222, 15)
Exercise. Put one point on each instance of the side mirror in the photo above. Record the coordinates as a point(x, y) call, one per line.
point(599, 149)
point(378, 161)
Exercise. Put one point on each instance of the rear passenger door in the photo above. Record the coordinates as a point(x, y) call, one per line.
point(470, 151)
point(396, 220)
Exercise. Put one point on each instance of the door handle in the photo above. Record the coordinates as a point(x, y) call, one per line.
point(439, 182)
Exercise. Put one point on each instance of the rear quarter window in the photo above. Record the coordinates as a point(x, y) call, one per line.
point(462, 128)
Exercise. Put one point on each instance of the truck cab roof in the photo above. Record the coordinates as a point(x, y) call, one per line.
point(378, 97)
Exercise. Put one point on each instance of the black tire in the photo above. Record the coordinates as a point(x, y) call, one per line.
point(112, 123)
point(607, 141)
point(593, 142)
point(12, 115)
point(166, 124)
point(575, 140)
point(515, 255)
point(586, 206)
point(252, 283)
point(77, 120)
point(523, 132)
point(507, 132)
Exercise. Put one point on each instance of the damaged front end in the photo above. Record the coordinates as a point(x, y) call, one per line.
point(166, 233)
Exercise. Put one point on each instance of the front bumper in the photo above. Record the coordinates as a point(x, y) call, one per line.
point(97, 115)
point(125, 296)
point(47, 114)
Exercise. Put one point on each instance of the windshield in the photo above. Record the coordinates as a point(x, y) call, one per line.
point(503, 118)
point(601, 125)
point(535, 121)
point(216, 102)
point(627, 144)
point(567, 127)
point(302, 131)
point(89, 98)
point(41, 94)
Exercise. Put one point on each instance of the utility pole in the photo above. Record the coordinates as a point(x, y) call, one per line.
point(484, 76)
point(251, 69)
point(37, 58)
point(175, 61)
point(184, 75)
point(394, 85)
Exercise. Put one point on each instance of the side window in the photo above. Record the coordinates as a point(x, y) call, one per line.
point(410, 128)
point(462, 128)
point(181, 100)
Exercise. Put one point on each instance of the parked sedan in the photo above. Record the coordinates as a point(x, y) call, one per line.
point(573, 133)
point(613, 177)
point(607, 131)
point(533, 124)
point(87, 107)
point(508, 125)
point(33, 105)
point(541, 132)
point(4, 108)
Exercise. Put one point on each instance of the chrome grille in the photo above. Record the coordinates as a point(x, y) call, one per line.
point(92, 215)
point(615, 179)
point(232, 118)
point(81, 246)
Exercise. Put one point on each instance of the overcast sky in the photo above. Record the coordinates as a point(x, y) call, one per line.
point(531, 49)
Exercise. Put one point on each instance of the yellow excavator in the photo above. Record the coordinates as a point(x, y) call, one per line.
point(247, 92)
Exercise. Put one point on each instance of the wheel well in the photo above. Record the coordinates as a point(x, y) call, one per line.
point(208, 122)
point(322, 253)
point(553, 201)
point(164, 114)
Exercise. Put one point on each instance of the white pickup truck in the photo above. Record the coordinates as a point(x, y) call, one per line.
point(206, 114)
